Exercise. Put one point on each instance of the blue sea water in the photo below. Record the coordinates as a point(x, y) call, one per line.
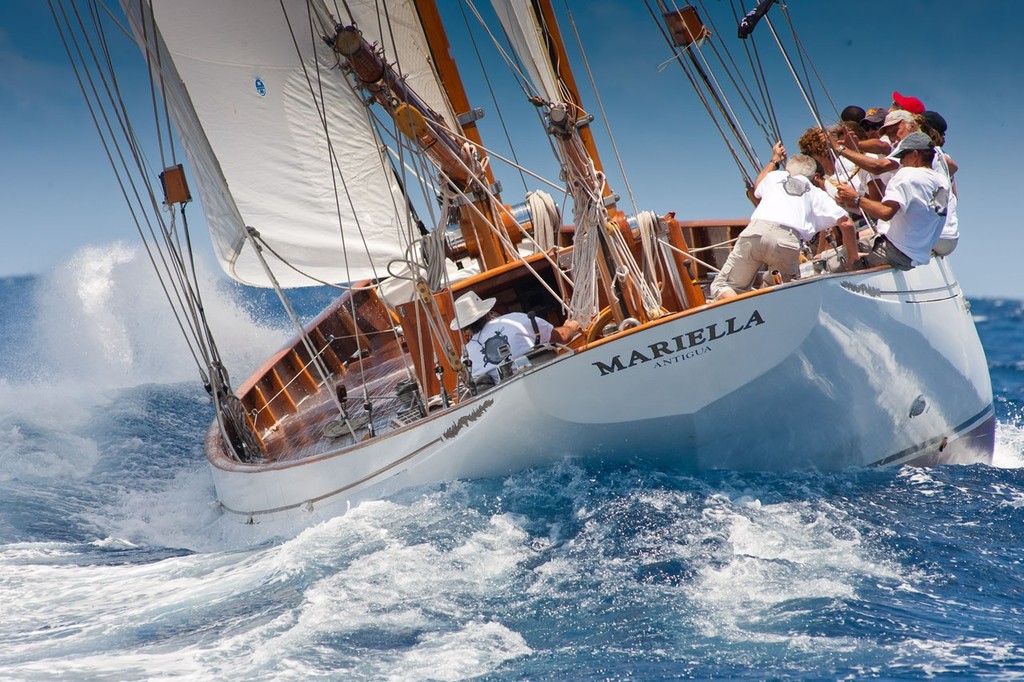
point(115, 565)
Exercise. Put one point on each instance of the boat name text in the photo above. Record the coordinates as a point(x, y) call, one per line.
point(694, 343)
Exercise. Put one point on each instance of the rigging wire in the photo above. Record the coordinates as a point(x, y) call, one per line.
point(604, 114)
point(177, 279)
point(513, 63)
point(109, 138)
point(763, 116)
point(490, 90)
point(213, 375)
point(744, 171)
point(805, 58)
point(703, 69)
point(756, 67)
point(320, 107)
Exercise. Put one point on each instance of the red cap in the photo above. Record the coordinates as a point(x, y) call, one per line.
point(911, 104)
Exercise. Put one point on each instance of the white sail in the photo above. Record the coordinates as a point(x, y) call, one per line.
point(524, 32)
point(277, 139)
point(400, 33)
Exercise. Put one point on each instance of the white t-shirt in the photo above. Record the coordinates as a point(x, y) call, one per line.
point(923, 197)
point(515, 329)
point(803, 207)
point(951, 229)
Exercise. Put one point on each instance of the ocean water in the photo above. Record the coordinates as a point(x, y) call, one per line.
point(114, 564)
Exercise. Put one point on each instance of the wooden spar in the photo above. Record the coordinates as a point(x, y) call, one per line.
point(560, 61)
point(440, 51)
point(622, 303)
point(383, 83)
point(478, 220)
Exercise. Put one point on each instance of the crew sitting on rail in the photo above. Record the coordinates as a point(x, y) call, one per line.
point(913, 208)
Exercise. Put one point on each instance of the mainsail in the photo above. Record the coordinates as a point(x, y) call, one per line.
point(276, 137)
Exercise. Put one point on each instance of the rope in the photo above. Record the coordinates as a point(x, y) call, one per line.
point(587, 185)
point(714, 246)
point(545, 219)
point(647, 224)
point(709, 266)
point(433, 253)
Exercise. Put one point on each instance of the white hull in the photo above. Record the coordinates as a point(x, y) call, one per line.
point(882, 367)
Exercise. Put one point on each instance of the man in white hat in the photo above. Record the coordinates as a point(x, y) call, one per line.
point(490, 338)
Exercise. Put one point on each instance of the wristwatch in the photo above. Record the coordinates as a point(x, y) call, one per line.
point(840, 149)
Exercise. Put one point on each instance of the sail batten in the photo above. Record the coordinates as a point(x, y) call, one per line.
point(277, 138)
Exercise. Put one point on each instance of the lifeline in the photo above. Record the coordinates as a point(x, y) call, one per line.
point(677, 344)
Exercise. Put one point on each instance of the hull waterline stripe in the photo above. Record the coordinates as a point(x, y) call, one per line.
point(913, 450)
point(338, 491)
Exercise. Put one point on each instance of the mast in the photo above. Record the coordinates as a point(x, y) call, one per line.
point(560, 62)
point(460, 163)
point(603, 237)
point(440, 52)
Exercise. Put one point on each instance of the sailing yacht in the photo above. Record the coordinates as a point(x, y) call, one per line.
point(334, 144)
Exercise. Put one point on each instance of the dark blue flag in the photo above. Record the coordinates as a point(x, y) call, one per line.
point(749, 21)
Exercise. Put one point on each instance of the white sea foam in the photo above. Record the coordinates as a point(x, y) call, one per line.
point(952, 658)
point(787, 555)
point(40, 430)
point(101, 325)
point(268, 610)
point(1009, 452)
point(413, 588)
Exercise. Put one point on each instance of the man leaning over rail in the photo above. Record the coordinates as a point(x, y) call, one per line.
point(790, 209)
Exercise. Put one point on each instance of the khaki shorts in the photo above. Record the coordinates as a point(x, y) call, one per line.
point(762, 244)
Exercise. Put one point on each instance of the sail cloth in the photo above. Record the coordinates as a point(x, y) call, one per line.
point(399, 31)
point(524, 32)
point(259, 129)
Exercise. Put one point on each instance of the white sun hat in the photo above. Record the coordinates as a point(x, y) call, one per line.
point(469, 308)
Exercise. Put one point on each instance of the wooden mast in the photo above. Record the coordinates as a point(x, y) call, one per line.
point(478, 235)
point(478, 218)
point(623, 301)
point(560, 62)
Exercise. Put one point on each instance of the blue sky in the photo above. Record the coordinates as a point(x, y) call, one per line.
point(960, 58)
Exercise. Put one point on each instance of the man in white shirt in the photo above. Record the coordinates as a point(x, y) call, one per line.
point(913, 208)
point(790, 209)
point(490, 339)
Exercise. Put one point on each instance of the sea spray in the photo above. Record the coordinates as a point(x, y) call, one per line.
point(104, 319)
